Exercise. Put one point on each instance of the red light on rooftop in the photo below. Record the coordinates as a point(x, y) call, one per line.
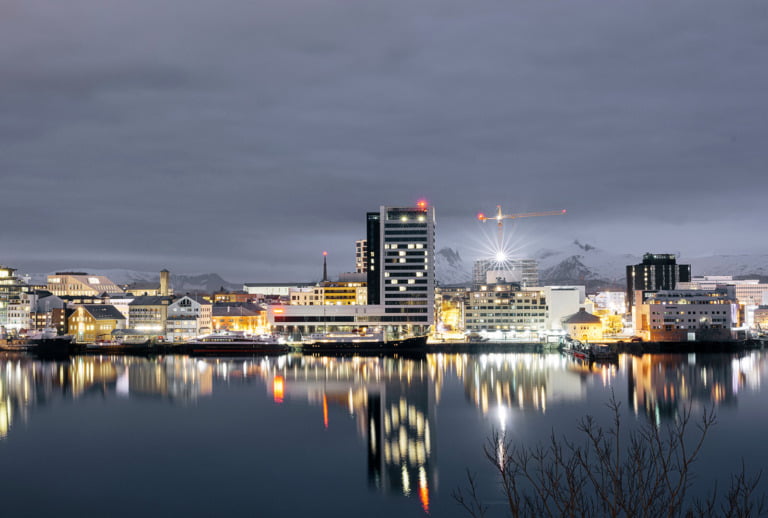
point(325, 253)
point(422, 204)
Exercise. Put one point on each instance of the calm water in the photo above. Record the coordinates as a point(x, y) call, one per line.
point(307, 436)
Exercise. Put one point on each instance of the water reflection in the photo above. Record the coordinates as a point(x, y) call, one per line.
point(659, 385)
point(392, 401)
point(526, 381)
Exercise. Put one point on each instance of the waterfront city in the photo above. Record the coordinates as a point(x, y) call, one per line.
point(412, 259)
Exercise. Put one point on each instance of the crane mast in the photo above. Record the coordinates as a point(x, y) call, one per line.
point(500, 217)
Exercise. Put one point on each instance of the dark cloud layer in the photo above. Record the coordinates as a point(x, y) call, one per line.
point(246, 137)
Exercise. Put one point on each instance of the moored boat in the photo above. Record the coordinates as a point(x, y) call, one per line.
point(47, 342)
point(360, 341)
point(234, 343)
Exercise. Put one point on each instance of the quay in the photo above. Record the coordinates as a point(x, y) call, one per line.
point(157, 349)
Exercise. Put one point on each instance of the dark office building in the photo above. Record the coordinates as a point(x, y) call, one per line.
point(656, 272)
point(400, 264)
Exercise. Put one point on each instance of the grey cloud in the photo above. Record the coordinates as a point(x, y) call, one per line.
point(248, 135)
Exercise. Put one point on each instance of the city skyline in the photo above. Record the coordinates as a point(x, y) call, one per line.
point(247, 138)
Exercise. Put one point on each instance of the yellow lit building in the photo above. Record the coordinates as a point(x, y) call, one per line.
point(584, 326)
point(93, 322)
point(330, 294)
point(761, 318)
point(612, 323)
point(248, 319)
point(233, 297)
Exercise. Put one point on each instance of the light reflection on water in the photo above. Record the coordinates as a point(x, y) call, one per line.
point(393, 402)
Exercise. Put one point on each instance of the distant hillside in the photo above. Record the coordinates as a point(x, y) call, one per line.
point(180, 283)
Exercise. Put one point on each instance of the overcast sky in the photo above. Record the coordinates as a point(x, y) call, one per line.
point(247, 136)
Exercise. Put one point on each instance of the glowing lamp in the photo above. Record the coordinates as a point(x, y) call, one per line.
point(422, 204)
point(481, 217)
point(325, 253)
point(278, 311)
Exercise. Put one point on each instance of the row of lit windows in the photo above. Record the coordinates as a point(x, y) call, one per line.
point(498, 307)
point(410, 246)
point(689, 313)
point(669, 327)
point(498, 315)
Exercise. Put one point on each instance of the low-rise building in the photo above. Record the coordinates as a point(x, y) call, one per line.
point(508, 309)
point(761, 318)
point(330, 293)
point(149, 314)
point(268, 289)
point(75, 284)
point(95, 322)
point(188, 316)
point(685, 315)
point(584, 326)
point(249, 318)
point(49, 311)
point(233, 297)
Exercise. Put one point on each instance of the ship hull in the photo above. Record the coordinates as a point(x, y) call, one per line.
point(58, 346)
point(412, 344)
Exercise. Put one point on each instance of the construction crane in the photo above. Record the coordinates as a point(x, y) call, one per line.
point(500, 217)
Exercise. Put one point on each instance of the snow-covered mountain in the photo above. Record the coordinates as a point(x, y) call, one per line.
point(582, 263)
point(736, 265)
point(203, 283)
point(450, 267)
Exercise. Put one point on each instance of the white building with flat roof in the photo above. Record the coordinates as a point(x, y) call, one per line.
point(685, 315)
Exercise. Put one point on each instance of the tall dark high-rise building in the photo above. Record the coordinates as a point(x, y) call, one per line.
point(400, 264)
point(656, 272)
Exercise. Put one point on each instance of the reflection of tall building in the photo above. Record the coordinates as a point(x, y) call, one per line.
point(393, 400)
point(404, 458)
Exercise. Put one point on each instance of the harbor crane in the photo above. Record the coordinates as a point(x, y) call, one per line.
point(500, 217)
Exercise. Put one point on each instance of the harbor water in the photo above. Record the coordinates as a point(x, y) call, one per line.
point(294, 435)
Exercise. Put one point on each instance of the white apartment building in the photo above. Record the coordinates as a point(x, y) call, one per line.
point(188, 316)
point(685, 315)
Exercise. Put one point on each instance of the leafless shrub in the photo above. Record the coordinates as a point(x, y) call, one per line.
point(646, 472)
